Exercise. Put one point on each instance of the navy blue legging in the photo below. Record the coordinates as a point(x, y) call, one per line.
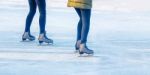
point(84, 24)
point(42, 9)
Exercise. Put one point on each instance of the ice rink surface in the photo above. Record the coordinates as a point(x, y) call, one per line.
point(119, 36)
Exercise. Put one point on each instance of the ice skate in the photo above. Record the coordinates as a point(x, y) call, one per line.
point(27, 36)
point(84, 50)
point(44, 39)
point(77, 46)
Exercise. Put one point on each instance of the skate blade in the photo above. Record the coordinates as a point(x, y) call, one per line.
point(86, 55)
point(45, 44)
point(26, 41)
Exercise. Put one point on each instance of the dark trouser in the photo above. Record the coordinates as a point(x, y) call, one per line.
point(42, 9)
point(84, 24)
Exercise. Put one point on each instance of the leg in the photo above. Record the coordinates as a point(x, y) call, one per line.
point(86, 15)
point(42, 9)
point(32, 5)
point(27, 35)
point(42, 19)
point(79, 27)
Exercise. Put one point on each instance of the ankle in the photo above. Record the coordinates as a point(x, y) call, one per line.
point(78, 42)
point(26, 32)
point(82, 45)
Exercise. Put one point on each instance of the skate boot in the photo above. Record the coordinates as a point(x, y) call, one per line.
point(77, 46)
point(84, 50)
point(43, 38)
point(27, 36)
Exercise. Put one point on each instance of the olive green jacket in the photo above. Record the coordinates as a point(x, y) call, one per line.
point(83, 4)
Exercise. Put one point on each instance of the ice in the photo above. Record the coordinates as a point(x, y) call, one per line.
point(119, 36)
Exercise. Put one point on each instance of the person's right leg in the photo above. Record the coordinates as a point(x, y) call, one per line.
point(32, 11)
point(27, 35)
point(79, 28)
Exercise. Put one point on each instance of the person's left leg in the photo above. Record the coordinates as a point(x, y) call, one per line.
point(42, 21)
point(42, 10)
point(86, 15)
